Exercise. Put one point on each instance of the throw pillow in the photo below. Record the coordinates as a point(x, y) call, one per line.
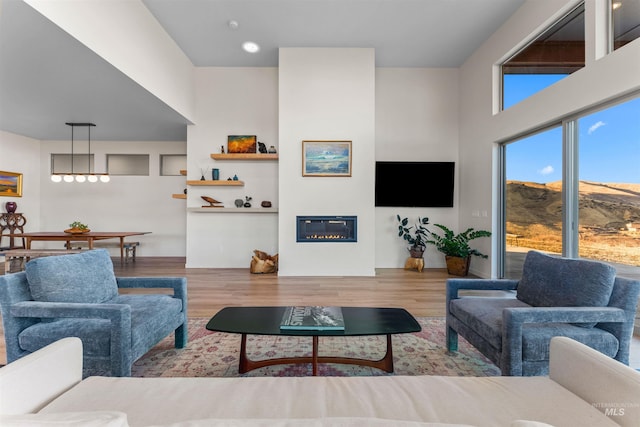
point(86, 277)
point(549, 281)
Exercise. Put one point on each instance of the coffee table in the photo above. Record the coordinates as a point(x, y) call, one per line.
point(358, 321)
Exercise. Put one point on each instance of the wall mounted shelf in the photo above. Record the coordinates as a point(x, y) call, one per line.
point(233, 210)
point(200, 182)
point(244, 156)
point(179, 196)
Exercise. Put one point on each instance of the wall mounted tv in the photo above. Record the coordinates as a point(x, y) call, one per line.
point(415, 184)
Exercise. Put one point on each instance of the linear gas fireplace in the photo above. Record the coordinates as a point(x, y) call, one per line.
point(326, 229)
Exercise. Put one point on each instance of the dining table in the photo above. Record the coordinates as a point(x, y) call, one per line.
point(90, 237)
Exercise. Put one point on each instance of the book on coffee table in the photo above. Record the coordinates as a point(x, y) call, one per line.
point(315, 318)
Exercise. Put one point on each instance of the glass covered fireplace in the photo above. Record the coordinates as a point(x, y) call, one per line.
point(326, 229)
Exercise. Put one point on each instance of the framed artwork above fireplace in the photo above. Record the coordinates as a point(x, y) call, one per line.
point(326, 158)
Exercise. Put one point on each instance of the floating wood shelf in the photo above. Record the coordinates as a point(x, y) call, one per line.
point(244, 156)
point(183, 172)
point(234, 210)
point(217, 182)
point(179, 196)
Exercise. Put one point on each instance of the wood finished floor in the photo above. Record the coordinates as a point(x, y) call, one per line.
point(209, 290)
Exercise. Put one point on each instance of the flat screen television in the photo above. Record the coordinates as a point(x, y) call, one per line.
point(415, 184)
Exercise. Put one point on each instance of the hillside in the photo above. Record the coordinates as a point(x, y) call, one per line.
point(534, 219)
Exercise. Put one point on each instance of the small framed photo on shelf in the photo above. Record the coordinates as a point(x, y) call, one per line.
point(241, 143)
point(326, 158)
point(10, 184)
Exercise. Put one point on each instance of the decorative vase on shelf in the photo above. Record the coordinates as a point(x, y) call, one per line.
point(11, 207)
point(215, 174)
point(239, 203)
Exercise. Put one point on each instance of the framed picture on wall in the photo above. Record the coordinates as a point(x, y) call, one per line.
point(241, 143)
point(326, 158)
point(10, 184)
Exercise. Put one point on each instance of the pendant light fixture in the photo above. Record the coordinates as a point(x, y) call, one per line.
point(80, 177)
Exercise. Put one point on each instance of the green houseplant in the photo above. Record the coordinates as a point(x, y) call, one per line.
point(77, 227)
point(456, 247)
point(416, 235)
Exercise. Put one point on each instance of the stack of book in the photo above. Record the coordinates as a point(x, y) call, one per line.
point(313, 318)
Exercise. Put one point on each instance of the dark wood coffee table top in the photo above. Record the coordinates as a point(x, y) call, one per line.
point(357, 321)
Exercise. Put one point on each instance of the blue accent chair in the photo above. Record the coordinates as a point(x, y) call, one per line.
point(575, 298)
point(77, 296)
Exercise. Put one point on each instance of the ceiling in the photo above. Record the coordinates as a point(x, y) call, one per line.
point(48, 78)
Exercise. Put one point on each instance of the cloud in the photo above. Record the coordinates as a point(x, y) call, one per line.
point(595, 126)
point(547, 170)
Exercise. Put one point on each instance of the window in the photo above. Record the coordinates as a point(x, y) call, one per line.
point(532, 198)
point(575, 190)
point(128, 164)
point(553, 55)
point(609, 184)
point(64, 163)
point(625, 22)
point(172, 164)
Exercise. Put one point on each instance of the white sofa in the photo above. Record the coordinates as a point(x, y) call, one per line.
point(584, 388)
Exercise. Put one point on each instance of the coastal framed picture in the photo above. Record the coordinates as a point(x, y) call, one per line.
point(326, 158)
point(241, 143)
point(10, 184)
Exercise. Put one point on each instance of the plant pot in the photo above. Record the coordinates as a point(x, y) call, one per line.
point(457, 266)
point(416, 252)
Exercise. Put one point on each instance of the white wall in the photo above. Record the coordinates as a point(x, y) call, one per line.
point(327, 94)
point(416, 120)
point(232, 101)
point(22, 155)
point(604, 79)
point(127, 203)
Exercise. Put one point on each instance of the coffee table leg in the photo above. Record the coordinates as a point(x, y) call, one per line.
point(243, 365)
point(314, 360)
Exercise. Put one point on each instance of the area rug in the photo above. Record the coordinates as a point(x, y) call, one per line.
point(215, 354)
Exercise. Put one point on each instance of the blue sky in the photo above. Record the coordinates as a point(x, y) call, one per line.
point(609, 141)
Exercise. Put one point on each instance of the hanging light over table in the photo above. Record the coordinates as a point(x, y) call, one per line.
point(80, 177)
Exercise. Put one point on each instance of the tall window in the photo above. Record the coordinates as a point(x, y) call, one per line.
point(598, 155)
point(553, 55)
point(609, 190)
point(533, 198)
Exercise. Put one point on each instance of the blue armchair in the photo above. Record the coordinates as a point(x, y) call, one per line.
point(576, 298)
point(77, 296)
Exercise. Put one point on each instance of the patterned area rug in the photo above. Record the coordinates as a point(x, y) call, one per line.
point(215, 354)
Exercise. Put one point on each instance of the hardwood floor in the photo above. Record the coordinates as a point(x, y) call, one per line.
point(422, 294)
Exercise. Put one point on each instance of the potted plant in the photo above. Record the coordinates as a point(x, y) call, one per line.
point(77, 227)
point(416, 235)
point(456, 248)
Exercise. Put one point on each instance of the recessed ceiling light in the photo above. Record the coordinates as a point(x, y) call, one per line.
point(233, 24)
point(250, 47)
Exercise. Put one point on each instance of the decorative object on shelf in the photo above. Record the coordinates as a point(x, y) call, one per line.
point(80, 177)
point(10, 184)
point(239, 203)
point(262, 262)
point(266, 204)
point(241, 143)
point(215, 174)
point(272, 150)
point(185, 191)
point(261, 147)
point(76, 227)
point(326, 158)
point(213, 203)
point(247, 203)
point(202, 171)
point(11, 207)
point(222, 149)
point(416, 235)
point(456, 248)
point(235, 177)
